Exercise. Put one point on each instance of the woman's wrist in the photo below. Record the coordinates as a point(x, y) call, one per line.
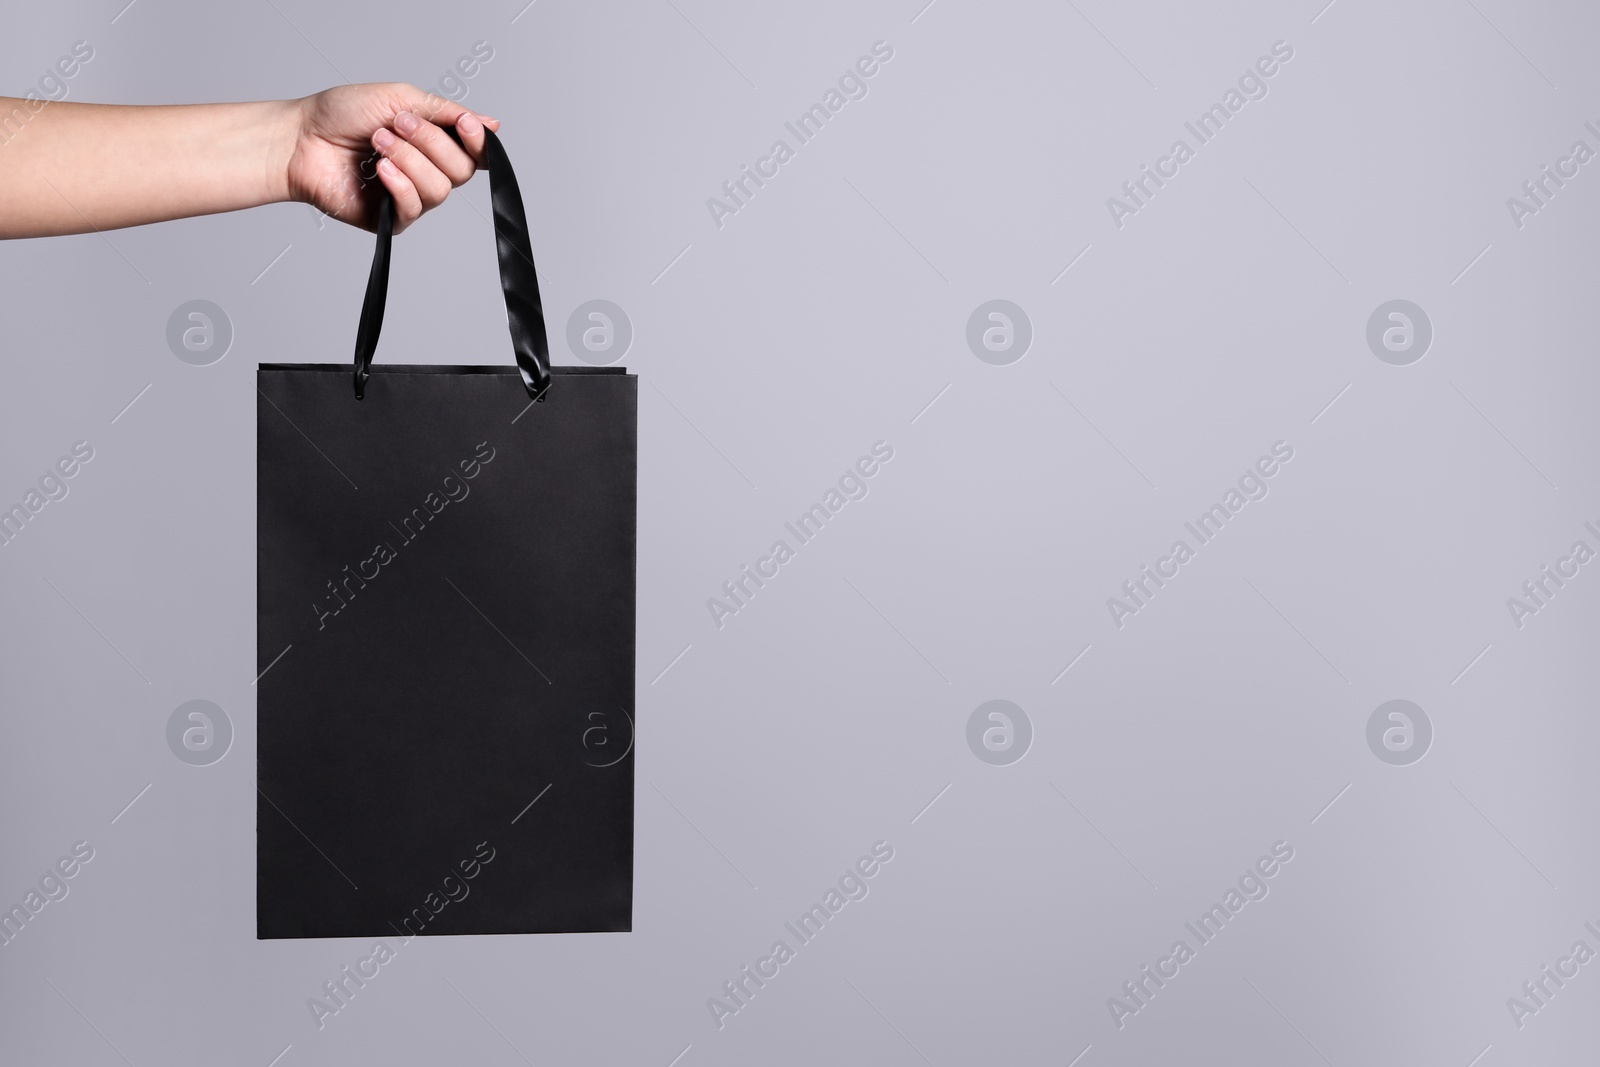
point(280, 129)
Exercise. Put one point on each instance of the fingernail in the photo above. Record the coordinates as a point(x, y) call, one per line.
point(468, 124)
point(387, 169)
point(382, 140)
point(406, 123)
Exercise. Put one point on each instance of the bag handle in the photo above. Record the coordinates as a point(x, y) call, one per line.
point(518, 278)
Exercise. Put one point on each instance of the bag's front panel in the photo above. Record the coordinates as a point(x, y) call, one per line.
point(446, 746)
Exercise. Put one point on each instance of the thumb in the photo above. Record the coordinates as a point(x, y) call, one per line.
point(440, 110)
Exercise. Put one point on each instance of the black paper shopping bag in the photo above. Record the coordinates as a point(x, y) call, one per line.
point(445, 626)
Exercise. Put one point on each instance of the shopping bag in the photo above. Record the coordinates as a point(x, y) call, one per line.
point(445, 632)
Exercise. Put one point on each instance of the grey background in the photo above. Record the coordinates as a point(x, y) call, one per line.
point(827, 715)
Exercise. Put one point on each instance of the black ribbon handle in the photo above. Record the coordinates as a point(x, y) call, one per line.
point(518, 278)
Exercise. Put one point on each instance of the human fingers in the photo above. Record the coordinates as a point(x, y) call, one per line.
point(441, 112)
point(407, 201)
point(428, 181)
point(450, 158)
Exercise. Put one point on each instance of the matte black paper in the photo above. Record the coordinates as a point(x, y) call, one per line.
point(445, 619)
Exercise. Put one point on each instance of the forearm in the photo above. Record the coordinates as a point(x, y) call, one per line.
point(72, 168)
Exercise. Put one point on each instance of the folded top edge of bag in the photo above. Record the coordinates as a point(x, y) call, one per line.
point(430, 368)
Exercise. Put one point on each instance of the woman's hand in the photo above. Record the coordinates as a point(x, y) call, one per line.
point(73, 168)
point(340, 129)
